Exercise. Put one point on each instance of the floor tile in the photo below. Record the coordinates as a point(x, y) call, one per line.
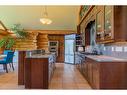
point(71, 78)
point(65, 76)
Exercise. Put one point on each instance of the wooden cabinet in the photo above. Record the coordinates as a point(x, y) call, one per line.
point(38, 71)
point(108, 23)
point(95, 82)
point(100, 24)
point(85, 69)
point(105, 75)
point(89, 71)
point(120, 23)
point(104, 24)
point(21, 67)
point(114, 27)
point(92, 73)
point(84, 9)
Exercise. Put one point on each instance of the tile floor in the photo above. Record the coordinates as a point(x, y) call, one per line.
point(9, 80)
point(65, 77)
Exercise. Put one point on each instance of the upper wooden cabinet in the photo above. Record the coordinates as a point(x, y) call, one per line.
point(83, 24)
point(100, 24)
point(120, 23)
point(84, 9)
point(104, 24)
point(115, 21)
point(110, 23)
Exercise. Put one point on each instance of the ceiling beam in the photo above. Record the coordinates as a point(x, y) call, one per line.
point(53, 31)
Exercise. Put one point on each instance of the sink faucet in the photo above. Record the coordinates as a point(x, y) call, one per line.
point(95, 51)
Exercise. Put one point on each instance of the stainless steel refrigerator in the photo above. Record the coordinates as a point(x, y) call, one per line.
point(69, 48)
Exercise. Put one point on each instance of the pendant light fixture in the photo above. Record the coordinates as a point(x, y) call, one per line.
point(45, 19)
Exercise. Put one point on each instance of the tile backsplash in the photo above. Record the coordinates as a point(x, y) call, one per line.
point(118, 50)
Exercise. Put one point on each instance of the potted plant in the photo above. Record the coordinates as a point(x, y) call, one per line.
point(8, 41)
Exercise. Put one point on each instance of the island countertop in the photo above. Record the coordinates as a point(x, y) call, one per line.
point(46, 55)
point(38, 54)
point(104, 58)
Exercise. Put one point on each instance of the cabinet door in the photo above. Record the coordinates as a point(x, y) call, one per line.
point(100, 25)
point(83, 36)
point(95, 76)
point(90, 79)
point(108, 22)
point(85, 69)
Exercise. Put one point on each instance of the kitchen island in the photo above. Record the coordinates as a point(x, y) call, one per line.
point(38, 69)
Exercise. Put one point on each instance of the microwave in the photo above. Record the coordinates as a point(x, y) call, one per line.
point(53, 43)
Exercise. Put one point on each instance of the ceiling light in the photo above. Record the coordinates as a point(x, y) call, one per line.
point(45, 19)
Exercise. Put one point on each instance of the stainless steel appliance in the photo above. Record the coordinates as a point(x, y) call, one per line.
point(53, 47)
point(69, 48)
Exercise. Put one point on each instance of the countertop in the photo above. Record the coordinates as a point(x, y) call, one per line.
point(87, 53)
point(104, 58)
point(46, 55)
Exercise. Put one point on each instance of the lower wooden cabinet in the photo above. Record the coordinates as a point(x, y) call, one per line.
point(105, 75)
point(21, 67)
point(95, 76)
point(38, 72)
point(89, 75)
